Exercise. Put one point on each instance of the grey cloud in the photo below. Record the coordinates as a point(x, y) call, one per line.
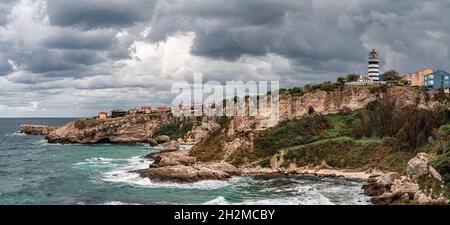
point(75, 39)
point(5, 66)
point(101, 13)
point(316, 40)
point(314, 32)
point(5, 7)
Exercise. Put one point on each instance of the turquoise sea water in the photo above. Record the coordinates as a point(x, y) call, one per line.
point(35, 172)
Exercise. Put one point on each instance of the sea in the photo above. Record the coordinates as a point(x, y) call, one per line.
point(34, 172)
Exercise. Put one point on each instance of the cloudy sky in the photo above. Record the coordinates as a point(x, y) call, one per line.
point(75, 58)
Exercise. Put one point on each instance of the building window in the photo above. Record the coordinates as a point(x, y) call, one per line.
point(431, 82)
point(431, 77)
point(446, 77)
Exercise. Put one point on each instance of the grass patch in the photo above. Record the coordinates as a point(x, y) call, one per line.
point(349, 154)
point(87, 123)
point(290, 133)
point(174, 130)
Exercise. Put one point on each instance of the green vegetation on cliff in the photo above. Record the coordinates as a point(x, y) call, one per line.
point(211, 147)
point(174, 130)
point(379, 135)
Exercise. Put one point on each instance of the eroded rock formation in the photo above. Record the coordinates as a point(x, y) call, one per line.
point(36, 129)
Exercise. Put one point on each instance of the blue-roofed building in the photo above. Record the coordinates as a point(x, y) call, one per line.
point(438, 79)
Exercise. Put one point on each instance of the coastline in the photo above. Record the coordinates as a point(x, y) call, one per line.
point(348, 174)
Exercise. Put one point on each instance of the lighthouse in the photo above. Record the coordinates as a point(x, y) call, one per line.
point(374, 66)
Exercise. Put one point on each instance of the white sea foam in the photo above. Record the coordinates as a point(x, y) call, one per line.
point(96, 161)
point(126, 177)
point(294, 200)
point(17, 133)
point(118, 203)
point(123, 175)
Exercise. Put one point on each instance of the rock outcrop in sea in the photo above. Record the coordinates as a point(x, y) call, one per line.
point(176, 165)
point(423, 185)
point(36, 129)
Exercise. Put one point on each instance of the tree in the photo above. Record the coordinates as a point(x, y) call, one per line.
point(352, 77)
point(392, 75)
point(328, 86)
point(444, 133)
point(340, 80)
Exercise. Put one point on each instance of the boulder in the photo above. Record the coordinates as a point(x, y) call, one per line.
point(172, 159)
point(223, 166)
point(388, 179)
point(417, 165)
point(435, 174)
point(171, 146)
point(385, 199)
point(324, 165)
point(402, 187)
point(152, 142)
point(373, 189)
point(162, 139)
point(183, 174)
point(423, 199)
point(276, 163)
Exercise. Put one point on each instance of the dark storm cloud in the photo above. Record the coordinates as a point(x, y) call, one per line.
point(56, 44)
point(313, 32)
point(74, 39)
point(100, 13)
point(73, 63)
point(230, 29)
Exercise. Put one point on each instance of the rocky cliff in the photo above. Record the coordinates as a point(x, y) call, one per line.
point(128, 129)
point(36, 129)
point(239, 131)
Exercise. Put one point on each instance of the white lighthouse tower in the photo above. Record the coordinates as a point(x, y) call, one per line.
point(374, 66)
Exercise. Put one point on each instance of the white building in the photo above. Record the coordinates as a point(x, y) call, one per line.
point(374, 66)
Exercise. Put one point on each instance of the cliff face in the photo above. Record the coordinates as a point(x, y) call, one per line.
point(350, 98)
point(240, 133)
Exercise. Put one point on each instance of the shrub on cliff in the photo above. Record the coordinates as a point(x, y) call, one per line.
point(174, 130)
point(410, 124)
point(442, 165)
point(291, 133)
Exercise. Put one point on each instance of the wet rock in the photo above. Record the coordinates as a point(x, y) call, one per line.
point(152, 142)
point(172, 159)
point(162, 139)
point(183, 174)
point(223, 166)
point(171, 146)
point(385, 199)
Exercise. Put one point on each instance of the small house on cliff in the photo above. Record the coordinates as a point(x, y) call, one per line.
point(118, 113)
point(146, 109)
point(103, 115)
